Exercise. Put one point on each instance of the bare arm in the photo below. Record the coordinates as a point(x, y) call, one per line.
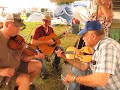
point(9, 72)
point(106, 11)
point(27, 58)
point(75, 62)
point(37, 42)
point(92, 80)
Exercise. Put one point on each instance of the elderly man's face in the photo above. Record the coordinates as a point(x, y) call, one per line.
point(89, 38)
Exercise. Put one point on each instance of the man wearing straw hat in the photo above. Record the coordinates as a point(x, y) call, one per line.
point(45, 30)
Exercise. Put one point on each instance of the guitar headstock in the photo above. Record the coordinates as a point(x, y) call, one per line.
point(67, 31)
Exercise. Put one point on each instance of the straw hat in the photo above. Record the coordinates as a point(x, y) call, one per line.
point(47, 17)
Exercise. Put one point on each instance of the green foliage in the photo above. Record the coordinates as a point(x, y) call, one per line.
point(53, 82)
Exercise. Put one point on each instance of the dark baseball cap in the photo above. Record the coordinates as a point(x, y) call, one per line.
point(16, 19)
point(90, 26)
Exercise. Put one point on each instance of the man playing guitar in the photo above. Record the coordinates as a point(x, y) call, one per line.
point(43, 31)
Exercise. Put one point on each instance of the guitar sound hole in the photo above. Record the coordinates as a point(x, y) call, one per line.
point(53, 45)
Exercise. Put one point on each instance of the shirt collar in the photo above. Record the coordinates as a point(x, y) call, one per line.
point(97, 45)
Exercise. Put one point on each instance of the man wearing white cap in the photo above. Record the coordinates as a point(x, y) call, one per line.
point(16, 68)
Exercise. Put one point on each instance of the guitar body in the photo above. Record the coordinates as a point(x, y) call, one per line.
point(48, 49)
point(71, 54)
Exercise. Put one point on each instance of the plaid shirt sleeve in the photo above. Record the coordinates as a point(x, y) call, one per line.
point(106, 58)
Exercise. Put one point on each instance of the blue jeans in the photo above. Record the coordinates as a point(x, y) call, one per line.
point(56, 60)
point(74, 85)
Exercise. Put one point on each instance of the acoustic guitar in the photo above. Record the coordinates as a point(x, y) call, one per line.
point(48, 49)
point(84, 54)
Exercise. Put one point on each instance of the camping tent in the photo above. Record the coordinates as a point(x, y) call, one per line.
point(58, 20)
point(1, 19)
point(65, 11)
point(81, 10)
point(35, 17)
point(81, 13)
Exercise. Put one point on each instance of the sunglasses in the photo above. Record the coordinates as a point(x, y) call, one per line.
point(46, 21)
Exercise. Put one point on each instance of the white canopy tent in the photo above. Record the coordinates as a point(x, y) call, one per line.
point(35, 17)
point(81, 13)
point(1, 19)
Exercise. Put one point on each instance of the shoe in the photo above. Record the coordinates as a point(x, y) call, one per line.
point(16, 88)
point(32, 87)
point(44, 75)
point(55, 67)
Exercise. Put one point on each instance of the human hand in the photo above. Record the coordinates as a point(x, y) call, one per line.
point(9, 72)
point(50, 42)
point(68, 78)
point(59, 53)
point(40, 55)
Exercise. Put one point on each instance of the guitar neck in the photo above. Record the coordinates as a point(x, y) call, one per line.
point(59, 37)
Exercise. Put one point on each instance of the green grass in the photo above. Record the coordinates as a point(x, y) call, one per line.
point(53, 82)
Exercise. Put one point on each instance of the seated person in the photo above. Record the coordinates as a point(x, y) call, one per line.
point(16, 67)
point(41, 31)
point(106, 54)
point(73, 85)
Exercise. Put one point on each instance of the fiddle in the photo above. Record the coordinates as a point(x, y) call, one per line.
point(18, 43)
point(84, 54)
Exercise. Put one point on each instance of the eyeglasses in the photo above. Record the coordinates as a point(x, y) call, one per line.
point(46, 21)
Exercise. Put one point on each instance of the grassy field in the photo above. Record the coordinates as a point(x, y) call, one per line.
point(53, 82)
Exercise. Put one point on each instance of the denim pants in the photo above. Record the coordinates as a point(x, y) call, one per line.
point(74, 85)
point(56, 60)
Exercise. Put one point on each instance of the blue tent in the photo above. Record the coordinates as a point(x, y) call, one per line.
point(65, 11)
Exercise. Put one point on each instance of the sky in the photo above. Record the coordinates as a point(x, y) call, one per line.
point(18, 4)
point(25, 3)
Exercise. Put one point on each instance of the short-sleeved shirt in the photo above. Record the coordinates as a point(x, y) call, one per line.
point(107, 57)
point(39, 32)
point(8, 58)
point(11, 58)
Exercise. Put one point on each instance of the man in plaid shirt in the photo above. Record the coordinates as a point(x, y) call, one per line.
point(106, 71)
